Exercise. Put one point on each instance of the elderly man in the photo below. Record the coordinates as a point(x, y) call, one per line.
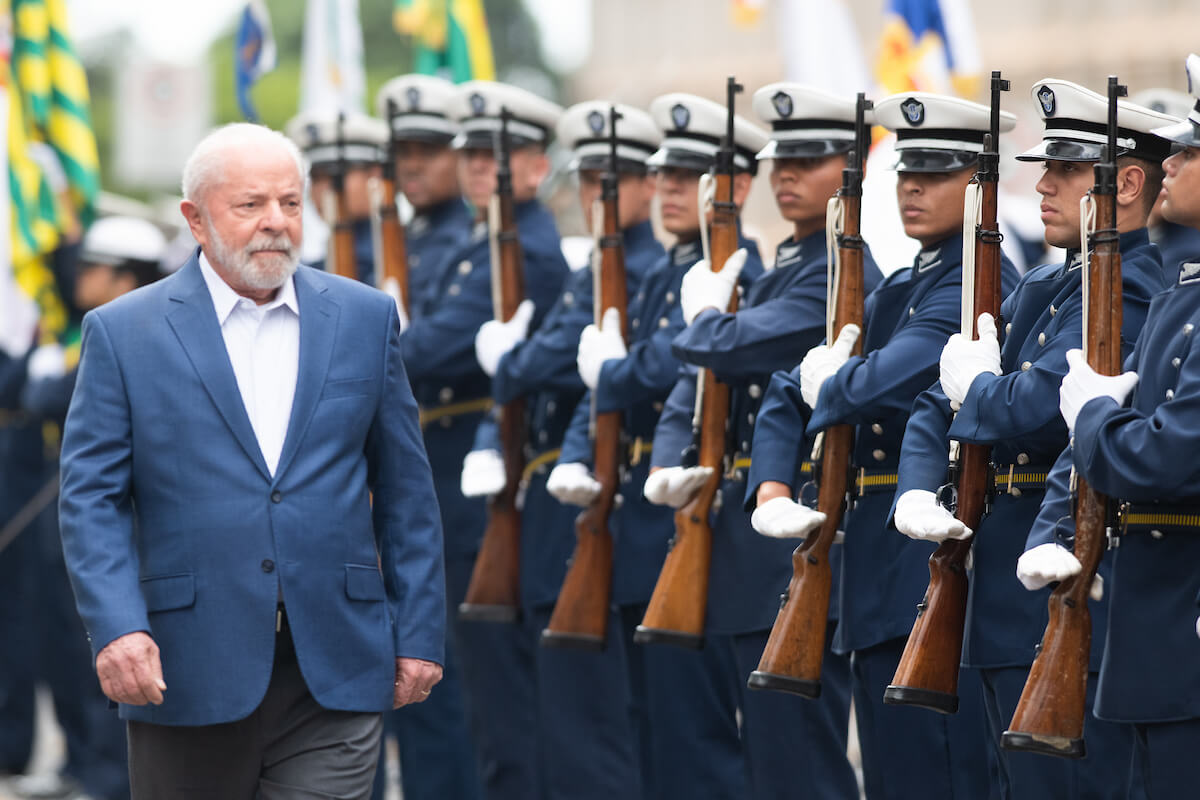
point(250, 607)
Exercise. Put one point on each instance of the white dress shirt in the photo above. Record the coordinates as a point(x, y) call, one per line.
point(263, 343)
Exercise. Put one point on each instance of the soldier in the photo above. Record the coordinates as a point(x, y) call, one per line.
point(670, 685)
point(439, 351)
point(349, 148)
point(1005, 399)
point(433, 737)
point(416, 108)
point(587, 743)
point(1149, 672)
point(1177, 243)
point(907, 319)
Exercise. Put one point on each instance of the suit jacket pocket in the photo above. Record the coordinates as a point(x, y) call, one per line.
point(166, 592)
point(364, 583)
point(347, 388)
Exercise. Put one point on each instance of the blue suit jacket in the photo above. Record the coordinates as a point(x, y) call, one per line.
point(172, 523)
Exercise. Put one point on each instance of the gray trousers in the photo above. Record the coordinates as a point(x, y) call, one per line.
point(289, 748)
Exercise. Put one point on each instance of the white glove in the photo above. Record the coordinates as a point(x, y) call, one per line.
point(496, 338)
point(1049, 563)
point(822, 362)
point(391, 287)
point(597, 345)
point(784, 518)
point(1082, 383)
point(20, 316)
point(483, 473)
point(572, 484)
point(48, 361)
point(702, 288)
point(675, 486)
point(920, 516)
point(963, 359)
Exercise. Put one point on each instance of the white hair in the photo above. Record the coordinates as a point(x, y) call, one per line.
point(206, 163)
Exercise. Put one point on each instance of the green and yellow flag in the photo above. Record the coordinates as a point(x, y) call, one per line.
point(451, 36)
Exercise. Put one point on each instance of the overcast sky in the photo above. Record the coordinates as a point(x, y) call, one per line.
point(182, 32)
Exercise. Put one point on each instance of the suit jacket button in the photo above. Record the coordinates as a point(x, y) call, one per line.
point(276, 496)
point(268, 565)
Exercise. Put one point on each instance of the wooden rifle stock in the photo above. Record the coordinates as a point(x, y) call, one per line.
point(791, 661)
point(493, 594)
point(393, 246)
point(1050, 714)
point(675, 614)
point(340, 254)
point(580, 617)
point(927, 674)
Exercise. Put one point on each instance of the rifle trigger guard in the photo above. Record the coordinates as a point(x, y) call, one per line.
point(947, 496)
point(808, 494)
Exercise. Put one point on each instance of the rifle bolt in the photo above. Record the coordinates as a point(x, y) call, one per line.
point(812, 559)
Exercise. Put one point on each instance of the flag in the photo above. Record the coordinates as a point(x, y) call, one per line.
point(746, 13)
point(254, 53)
point(451, 37)
point(69, 126)
point(332, 75)
point(820, 46)
point(931, 46)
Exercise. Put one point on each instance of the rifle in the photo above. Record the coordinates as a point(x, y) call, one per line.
point(1049, 716)
point(927, 674)
point(791, 661)
point(494, 592)
point(580, 617)
point(340, 256)
point(391, 249)
point(675, 614)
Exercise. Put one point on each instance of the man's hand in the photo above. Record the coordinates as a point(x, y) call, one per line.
point(702, 288)
point(415, 679)
point(483, 474)
point(822, 362)
point(598, 345)
point(1082, 384)
point(130, 671)
point(920, 516)
point(495, 338)
point(675, 486)
point(963, 359)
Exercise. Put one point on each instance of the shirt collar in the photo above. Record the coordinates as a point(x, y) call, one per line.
point(225, 299)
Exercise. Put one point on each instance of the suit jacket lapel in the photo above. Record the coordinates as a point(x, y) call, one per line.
point(194, 321)
point(318, 325)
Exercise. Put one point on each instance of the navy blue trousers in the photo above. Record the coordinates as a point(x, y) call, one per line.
point(793, 746)
point(911, 753)
point(1105, 773)
point(437, 755)
point(1165, 759)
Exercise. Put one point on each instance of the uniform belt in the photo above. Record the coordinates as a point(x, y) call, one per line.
point(743, 462)
point(868, 481)
point(1016, 476)
point(539, 461)
point(477, 406)
point(1154, 518)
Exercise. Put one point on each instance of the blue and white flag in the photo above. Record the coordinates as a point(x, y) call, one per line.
point(254, 53)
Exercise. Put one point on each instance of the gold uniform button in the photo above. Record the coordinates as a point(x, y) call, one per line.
point(658, 407)
point(1156, 534)
point(876, 429)
point(1022, 459)
point(755, 391)
point(568, 298)
point(1026, 365)
point(464, 267)
point(670, 298)
point(1015, 491)
point(750, 418)
point(663, 322)
point(543, 436)
point(454, 289)
point(635, 324)
point(551, 406)
point(445, 394)
point(879, 455)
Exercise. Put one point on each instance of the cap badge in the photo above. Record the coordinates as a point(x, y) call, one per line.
point(414, 98)
point(680, 115)
point(595, 121)
point(783, 104)
point(478, 104)
point(913, 110)
point(1046, 97)
point(313, 131)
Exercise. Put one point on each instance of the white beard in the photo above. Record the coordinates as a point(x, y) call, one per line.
point(264, 273)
